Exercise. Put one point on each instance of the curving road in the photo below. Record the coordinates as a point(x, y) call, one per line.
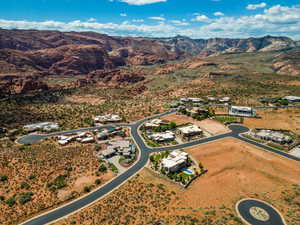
point(86, 200)
point(255, 212)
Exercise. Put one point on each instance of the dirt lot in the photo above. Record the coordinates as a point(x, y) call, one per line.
point(178, 119)
point(235, 170)
point(212, 126)
point(276, 119)
point(232, 167)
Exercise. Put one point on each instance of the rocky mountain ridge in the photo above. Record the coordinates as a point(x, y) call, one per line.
point(54, 52)
point(99, 57)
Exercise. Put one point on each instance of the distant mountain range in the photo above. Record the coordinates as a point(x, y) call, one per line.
point(72, 53)
point(28, 56)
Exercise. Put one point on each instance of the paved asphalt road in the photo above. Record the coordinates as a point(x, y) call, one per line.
point(58, 213)
point(244, 206)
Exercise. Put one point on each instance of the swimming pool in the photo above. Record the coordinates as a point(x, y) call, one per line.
point(188, 171)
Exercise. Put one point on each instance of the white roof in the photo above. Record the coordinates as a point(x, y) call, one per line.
point(108, 151)
point(62, 137)
point(108, 118)
point(225, 99)
point(242, 108)
point(87, 139)
point(46, 125)
point(174, 158)
point(120, 143)
point(162, 136)
point(81, 134)
point(195, 99)
point(189, 129)
point(63, 142)
point(291, 98)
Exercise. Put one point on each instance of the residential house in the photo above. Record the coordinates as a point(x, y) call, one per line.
point(162, 136)
point(108, 153)
point(155, 123)
point(292, 98)
point(87, 140)
point(45, 126)
point(274, 136)
point(268, 100)
point(175, 161)
point(107, 118)
point(197, 111)
point(224, 99)
point(242, 111)
point(188, 132)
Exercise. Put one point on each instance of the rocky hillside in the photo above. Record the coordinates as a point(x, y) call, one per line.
point(288, 62)
point(53, 52)
point(98, 56)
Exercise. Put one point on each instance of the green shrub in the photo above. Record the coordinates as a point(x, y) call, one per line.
point(2, 198)
point(25, 185)
point(89, 121)
point(58, 183)
point(10, 202)
point(3, 178)
point(102, 168)
point(113, 167)
point(31, 177)
point(97, 181)
point(87, 189)
point(25, 197)
point(121, 159)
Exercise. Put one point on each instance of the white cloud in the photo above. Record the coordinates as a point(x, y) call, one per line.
point(179, 22)
point(92, 19)
point(141, 2)
point(256, 6)
point(277, 20)
point(201, 18)
point(218, 14)
point(160, 18)
point(123, 14)
point(137, 20)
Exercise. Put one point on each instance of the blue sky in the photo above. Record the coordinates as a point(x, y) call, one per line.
point(157, 18)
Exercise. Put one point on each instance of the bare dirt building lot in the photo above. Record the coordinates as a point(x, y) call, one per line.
point(211, 126)
point(235, 170)
point(288, 119)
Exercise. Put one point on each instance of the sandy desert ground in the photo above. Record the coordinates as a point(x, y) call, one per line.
point(235, 170)
point(276, 119)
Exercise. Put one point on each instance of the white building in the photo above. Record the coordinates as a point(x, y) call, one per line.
point(292, 98)
point(196, 100)
point(224, 99)
point(155, 123)
point(189, 131)
point(175, 161)
point(191, 99)
point(163, 136)
point(63, 142)
point(122, 147)
point(45, 126)
point(212, 99)
point(274, 136)
point(87, 140)
point(241, 111)
point(107, 118)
